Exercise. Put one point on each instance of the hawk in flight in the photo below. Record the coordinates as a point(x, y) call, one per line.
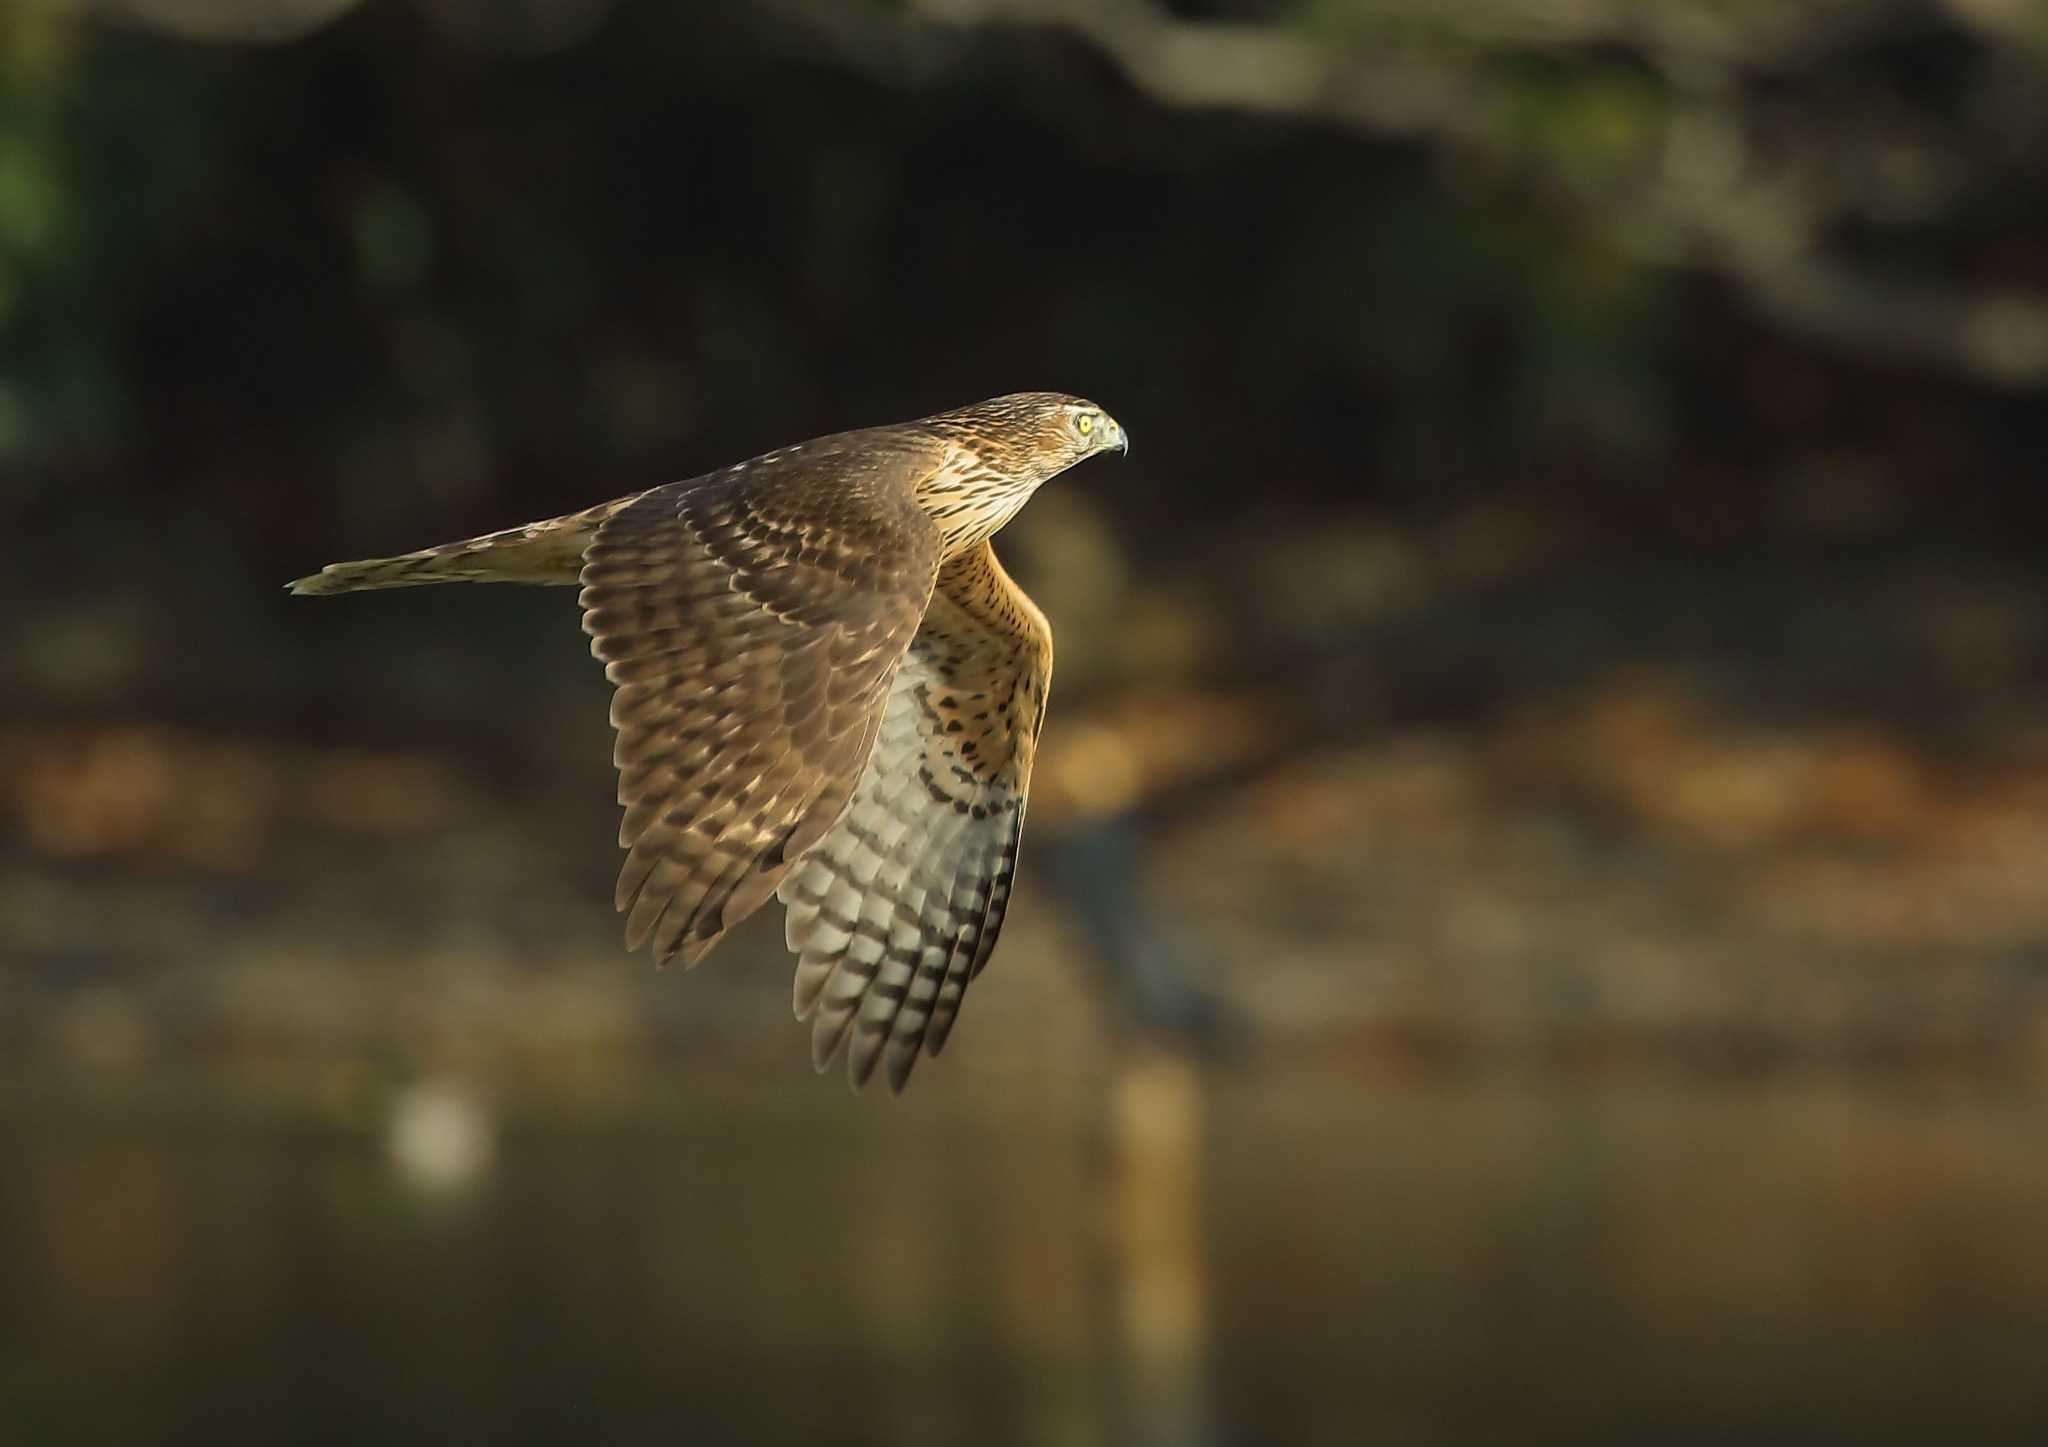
point(827, 690)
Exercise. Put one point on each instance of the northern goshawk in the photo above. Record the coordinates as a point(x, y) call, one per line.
point(827, 690)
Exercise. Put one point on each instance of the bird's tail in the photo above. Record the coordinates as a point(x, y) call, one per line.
point(548, 552)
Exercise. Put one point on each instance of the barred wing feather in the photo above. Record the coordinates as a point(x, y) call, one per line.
point(752, 623)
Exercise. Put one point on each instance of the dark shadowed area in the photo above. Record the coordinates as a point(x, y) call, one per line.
point(1534, 922)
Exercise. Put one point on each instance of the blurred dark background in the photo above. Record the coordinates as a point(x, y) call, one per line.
point(1533, 926)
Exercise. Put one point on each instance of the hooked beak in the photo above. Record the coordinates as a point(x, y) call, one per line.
point(1123, 441)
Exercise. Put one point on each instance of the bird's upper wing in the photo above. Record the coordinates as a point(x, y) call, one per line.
point(752, 621)
point(897, 909)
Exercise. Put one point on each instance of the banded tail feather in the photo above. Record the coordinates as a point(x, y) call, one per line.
point(547, 553)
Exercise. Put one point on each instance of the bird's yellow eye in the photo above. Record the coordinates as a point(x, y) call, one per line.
point(1085, 423)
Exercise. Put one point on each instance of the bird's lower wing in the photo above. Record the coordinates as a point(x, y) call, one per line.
point(897, 909)
point(752, 623)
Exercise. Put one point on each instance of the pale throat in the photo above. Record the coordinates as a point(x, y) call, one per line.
point(970, 500)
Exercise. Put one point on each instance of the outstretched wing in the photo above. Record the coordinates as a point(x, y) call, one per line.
point(895, 912)
point(752, 621)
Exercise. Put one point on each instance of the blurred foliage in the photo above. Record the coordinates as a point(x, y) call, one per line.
point(423, 253)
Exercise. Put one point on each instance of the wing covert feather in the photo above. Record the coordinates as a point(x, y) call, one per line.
point(752, 622)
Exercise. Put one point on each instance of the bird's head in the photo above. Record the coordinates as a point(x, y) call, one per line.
point(1007, 448)
point(1034, 436)
point(1077, 429)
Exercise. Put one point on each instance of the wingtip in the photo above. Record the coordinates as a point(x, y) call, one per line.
point(334, 578)
point(825, 1043)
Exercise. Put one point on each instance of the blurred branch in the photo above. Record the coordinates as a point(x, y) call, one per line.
point(1695, 170)
point(526, 26)
point(243, 21)
point(1701, 174)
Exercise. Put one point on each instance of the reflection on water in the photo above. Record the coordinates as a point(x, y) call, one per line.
point(1161, 1256)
